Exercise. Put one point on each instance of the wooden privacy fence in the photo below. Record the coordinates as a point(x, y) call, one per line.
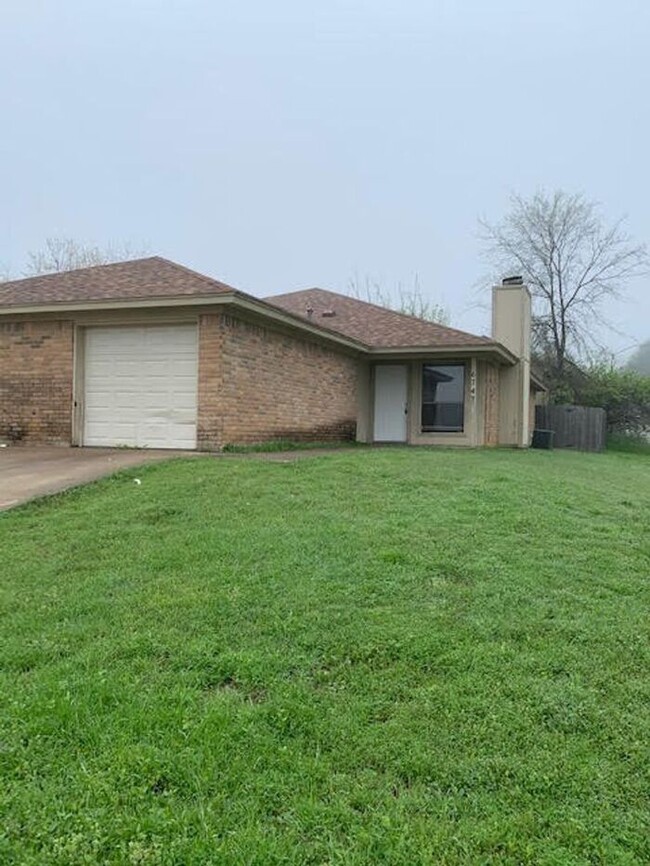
point(581, 427)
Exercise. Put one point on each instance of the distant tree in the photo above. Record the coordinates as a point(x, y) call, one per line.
point(572, 264)
point(640, 359)
point(66, 254)
point(411, 301)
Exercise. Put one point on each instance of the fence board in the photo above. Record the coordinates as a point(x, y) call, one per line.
point(581, 427)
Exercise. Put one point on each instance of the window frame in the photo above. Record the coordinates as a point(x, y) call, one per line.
point(426, 430)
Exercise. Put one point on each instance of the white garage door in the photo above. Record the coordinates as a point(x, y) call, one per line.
point(140, 386)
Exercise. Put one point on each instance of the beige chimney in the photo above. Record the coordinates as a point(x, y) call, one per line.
point(511, 326)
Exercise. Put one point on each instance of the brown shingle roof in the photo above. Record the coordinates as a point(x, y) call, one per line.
point(155, 277)
point(375, 326)
point(143, 278)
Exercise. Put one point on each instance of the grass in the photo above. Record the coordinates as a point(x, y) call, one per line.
point(376, 657)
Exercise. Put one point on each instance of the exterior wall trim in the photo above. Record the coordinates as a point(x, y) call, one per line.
point(267, 311)
point(475, 383)
point(469, 436)
point(493, 350)
point(251, 305)
point(78, 385)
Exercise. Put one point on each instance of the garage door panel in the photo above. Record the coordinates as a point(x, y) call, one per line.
point(153, 432)
point(159, 367)
point(183, 400)
point(102, 374)
point(141, 386)
point(156, 336)
point(106, 340)
point(185, 368)
point(117, 414)
point(154, 398)
point(130, 404)
point(99, 415)
point(98, 400)
point(115, 434)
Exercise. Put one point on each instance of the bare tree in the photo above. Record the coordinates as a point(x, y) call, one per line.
point(572, 263)
point(411, 301)
point(66, 254)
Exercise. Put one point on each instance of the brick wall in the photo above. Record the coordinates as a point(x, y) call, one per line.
point(491, 405)
point(257, 384)
point(209, 431)
point(36, 362)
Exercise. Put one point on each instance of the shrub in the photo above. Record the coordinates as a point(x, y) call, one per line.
point(625, 396)
point(629, 443)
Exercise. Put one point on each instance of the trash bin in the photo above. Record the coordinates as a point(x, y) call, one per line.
point(543, 438)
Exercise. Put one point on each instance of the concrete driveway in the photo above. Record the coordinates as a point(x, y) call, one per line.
point(28, 472)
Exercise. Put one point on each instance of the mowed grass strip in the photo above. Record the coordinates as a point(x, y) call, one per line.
point(378, 657)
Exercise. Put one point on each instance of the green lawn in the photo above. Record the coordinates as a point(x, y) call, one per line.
point(376, 657)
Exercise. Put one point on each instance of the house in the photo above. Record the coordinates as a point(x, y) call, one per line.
point(148, 353)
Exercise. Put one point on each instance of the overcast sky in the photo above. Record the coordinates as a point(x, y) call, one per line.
point(279, 145)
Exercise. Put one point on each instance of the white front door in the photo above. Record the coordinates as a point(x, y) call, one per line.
point(391, 396)
point(140, 386)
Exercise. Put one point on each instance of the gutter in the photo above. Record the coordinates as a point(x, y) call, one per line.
point(537, 382)
point(505, 355)
point(108, 304)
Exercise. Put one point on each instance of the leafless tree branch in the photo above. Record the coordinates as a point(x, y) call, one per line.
point(571, 262)
point(410, 300)
point(66, 254)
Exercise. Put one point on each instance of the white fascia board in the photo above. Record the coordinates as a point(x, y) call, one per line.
point(463, 349)
point(126, 304)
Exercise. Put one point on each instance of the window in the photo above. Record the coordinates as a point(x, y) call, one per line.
point(443, 398)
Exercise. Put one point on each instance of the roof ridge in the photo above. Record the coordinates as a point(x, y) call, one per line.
point(383, 309)
point(53, 274)
point(209, 281)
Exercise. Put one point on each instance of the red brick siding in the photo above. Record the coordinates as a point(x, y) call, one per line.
point(257, 384)
point(36, 381)
point(491, 405)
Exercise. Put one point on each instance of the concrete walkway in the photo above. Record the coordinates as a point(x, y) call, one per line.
point(27, 472)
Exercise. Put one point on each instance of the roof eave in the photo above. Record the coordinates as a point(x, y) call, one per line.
point(537, 383)
point(270, 311)
point(267, 310)
point(116, 304)
point(235, 299)
point(490, 349)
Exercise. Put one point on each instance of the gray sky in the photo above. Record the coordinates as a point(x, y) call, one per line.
point(285, 144)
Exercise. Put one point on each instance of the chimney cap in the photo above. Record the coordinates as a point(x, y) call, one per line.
point(513, 281)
